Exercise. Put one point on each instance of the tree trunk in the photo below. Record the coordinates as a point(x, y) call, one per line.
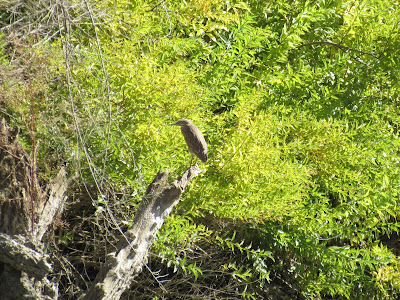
point(126, 262)
point(26, 211)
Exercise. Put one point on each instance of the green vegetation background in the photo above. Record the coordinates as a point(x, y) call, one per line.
point(298, 101)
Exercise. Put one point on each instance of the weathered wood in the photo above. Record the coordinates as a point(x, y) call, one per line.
point(14, 252)
point(126, 262)
point(15, 200)
point(53, 206)
point(26, 212)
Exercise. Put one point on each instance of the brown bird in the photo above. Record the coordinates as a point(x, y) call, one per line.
point(194, 139)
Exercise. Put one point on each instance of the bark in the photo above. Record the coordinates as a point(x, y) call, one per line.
point(15, 252)
point(55, 200)
point(126, 262)
point(26, 211)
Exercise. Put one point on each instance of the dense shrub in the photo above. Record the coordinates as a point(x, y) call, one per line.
point(298, 102)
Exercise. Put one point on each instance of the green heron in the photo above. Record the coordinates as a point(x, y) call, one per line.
point(194, 139)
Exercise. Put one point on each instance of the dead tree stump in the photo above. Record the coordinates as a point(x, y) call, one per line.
point(26, 212)
point(126, 262)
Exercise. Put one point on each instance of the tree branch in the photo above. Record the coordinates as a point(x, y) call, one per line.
point(126, 262)
point(14, 252)
point(341, 47)
point(54, 204)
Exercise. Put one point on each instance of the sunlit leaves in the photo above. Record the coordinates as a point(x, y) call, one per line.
point(298, 101)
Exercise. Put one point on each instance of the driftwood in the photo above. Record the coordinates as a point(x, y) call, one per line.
point(126, 262)
point(26, 212)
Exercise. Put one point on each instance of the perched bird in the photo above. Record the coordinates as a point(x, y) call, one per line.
point(194, 139)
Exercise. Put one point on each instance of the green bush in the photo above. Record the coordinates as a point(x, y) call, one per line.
point(298, 102)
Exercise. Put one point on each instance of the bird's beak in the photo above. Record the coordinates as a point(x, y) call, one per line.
point(174, 123)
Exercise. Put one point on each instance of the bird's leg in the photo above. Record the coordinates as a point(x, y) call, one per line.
point(191, 160)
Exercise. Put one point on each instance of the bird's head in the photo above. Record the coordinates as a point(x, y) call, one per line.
point(181, 122)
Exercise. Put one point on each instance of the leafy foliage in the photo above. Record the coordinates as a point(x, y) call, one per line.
point(298, 101)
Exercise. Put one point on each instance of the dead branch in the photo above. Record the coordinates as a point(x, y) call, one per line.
point(14, 252)
point(126, 262)
point(53, 206)
point(23, 264)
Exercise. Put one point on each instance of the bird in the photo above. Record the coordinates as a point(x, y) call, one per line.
point(194, 139)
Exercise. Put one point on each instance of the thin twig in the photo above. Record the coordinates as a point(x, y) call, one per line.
point(107, 82)
point(341, 47)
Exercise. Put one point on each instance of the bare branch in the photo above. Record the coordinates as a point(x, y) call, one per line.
point(127, 261)
point(22, 258)
point(54, 204)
